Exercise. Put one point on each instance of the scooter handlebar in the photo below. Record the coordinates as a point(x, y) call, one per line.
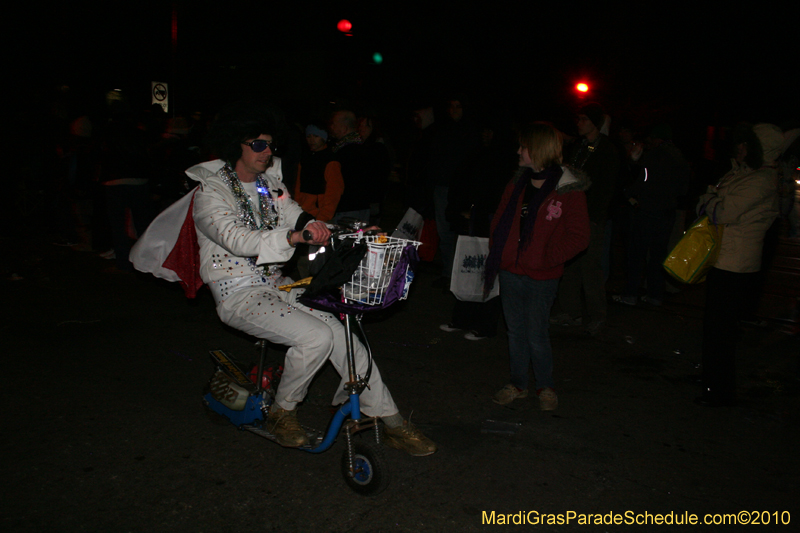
point(337, 229)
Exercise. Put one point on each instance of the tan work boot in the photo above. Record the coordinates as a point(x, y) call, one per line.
point(409, 439)
point(548, 400)
point(508, 394)
point(284, 425)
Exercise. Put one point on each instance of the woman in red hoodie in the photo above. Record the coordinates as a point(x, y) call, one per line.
point(541, 223)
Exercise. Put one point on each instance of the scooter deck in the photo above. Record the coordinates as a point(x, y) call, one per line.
point(314, 436)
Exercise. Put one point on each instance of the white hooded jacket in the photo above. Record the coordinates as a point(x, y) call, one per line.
point(229, 248)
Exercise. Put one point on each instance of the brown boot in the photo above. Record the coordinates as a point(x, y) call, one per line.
point(548, 400)
point(284, 425)
point(409, 439)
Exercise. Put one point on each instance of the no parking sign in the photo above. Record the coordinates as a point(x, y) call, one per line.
point(159, 92)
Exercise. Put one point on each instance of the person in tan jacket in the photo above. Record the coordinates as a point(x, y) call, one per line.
point(745, 202)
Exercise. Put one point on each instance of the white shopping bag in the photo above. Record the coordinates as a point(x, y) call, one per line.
point(410, 227)
point(469, 265)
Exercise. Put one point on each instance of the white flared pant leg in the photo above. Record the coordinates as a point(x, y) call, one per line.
point(313, 337)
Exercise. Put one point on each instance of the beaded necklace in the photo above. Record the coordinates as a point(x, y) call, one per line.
point(266, 204)
point(266, 209)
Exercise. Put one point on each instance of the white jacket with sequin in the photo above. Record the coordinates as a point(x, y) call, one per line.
point(229, 249)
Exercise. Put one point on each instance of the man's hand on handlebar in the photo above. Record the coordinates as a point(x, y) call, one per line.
point(319, 233)
point(315, 233)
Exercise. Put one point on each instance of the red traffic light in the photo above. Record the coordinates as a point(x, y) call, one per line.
point(582, 87)
point(344, 26)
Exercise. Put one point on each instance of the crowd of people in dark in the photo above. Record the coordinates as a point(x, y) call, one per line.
point(105, 176)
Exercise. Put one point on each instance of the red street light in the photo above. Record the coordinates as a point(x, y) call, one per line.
point(582, 87)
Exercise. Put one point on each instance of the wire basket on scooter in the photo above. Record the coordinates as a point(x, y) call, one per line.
point(374, 274)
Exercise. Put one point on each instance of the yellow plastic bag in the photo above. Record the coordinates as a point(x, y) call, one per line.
point(696, 252)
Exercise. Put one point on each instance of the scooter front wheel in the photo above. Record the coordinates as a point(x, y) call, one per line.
point(370, 474)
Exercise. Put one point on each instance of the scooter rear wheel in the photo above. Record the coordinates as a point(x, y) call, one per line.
point(371, 475)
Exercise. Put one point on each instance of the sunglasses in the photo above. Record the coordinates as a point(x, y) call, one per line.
point(259, 145)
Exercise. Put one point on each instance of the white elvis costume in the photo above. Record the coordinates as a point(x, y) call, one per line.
point(241, 266)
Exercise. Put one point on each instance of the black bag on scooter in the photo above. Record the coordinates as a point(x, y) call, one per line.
point(337, 268)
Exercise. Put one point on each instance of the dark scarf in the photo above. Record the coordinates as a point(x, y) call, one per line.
point(551, 176)
point(582, 153)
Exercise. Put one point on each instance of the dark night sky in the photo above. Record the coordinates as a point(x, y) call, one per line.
point(711, 65)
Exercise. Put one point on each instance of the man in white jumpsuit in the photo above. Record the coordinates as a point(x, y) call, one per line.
point(247, 227)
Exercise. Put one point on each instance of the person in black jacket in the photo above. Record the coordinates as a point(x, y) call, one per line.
point(349, 152)
point(470, 208)
point(596, 156)
point(663, 176)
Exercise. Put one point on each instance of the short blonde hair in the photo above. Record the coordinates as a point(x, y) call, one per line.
point(543, 143)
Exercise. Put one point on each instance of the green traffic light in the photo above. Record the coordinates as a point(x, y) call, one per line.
point(377, 58)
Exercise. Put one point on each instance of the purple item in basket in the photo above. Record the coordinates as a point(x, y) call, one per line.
point(396, 290)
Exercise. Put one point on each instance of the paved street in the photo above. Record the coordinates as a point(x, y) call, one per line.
point(104, 429)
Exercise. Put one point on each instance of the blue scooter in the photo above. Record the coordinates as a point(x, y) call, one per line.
point(244, 400)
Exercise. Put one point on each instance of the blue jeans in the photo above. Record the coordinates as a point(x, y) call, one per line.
point(649, 236)
point(526, 305)
point(728, 296)
point(585, 271)
point(118, 199)
point(447, 237)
